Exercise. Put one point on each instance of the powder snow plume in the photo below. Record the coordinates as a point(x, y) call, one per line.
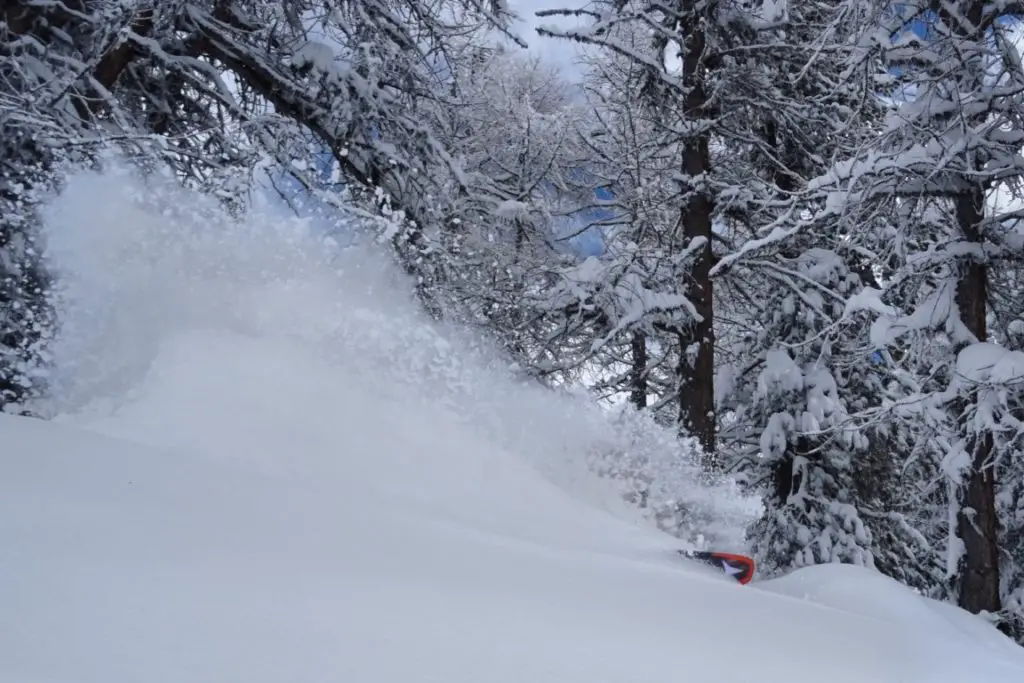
point(267, 346)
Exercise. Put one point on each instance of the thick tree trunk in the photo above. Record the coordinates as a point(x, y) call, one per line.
point(697, 348)
point(978, 521)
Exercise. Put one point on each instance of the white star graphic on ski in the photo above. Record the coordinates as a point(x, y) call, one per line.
point(730, 570)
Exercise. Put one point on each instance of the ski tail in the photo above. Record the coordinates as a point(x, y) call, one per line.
point(739, 567)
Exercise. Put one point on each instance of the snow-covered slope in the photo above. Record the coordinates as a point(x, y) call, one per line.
point(267, 470)
point(125, 563)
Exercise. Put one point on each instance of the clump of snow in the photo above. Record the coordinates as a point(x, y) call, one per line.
point(725, 383)
point(868, 299)
point(987, 363)
point(314, 54)
point(937, 312)
point(774, 10)
point(994, 375)
point(780, 374)
point(512, 209)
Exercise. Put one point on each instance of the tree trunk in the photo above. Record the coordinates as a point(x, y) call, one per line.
point(638, 372)
point(697, 349)
point(977, 522)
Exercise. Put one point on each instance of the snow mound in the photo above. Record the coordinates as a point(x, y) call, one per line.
point(864, 592)
point(127, 563)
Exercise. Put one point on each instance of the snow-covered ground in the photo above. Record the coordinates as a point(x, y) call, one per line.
point(266, 467)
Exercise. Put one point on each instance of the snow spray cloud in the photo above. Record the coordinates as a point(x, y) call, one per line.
point(262, 339)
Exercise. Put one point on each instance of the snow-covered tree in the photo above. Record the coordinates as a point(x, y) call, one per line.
point(791, 371)
point(684, 100)
point(211, 91)
point(622, 306)
point(949, 149)
point(53, 69)
point(792, 397)
point(511, 126)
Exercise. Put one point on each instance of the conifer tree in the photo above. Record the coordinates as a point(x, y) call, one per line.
point(950, 144)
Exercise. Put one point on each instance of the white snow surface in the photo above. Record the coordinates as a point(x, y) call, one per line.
point(265, 467)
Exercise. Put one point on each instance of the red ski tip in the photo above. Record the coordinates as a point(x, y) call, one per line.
point(739, 567)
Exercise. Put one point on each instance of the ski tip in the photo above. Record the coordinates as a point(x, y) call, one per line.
point(740, 568)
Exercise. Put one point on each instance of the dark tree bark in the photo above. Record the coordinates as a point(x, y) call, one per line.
point(977, 523)
point(697, 345)
point(978, 519)
point(638, 372)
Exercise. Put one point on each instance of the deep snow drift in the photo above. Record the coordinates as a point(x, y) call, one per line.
point(265, 466)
